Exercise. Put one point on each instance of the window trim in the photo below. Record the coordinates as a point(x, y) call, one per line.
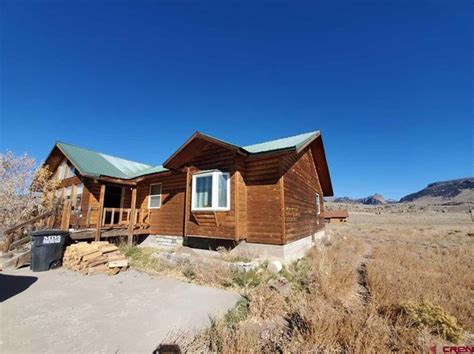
point(76, 187)
point(71, 170)
point(66, 194)
point(318, 204)
point(62, 169)
point(155, 195)
point(215, 191)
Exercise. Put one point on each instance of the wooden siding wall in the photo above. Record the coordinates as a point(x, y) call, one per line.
point(167, 220)
point(301, 184)
point(240, 199)
point(214, 157)
point(262, 178)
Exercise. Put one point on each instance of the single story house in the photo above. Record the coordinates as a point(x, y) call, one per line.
point(336, 216)
point(269, 194)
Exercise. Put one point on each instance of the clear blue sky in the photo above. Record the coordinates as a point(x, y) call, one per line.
point(389, 83)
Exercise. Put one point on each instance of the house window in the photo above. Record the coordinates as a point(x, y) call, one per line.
point(210, 191)
point(62, 170)
point(79, 190)
point(154, 197)
point(67, 194)
point(318, 204)
point(71, 172)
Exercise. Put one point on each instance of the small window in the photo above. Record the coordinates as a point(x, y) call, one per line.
point(62, 170)
point(210, 191)
point(318, 204)
point(154, 197)
point(71, 172)
point(79, 190)
point(68, 193)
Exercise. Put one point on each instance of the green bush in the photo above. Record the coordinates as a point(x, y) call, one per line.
point(250, 279)
point(435, 318)
point(298, 274)
point(238, 313)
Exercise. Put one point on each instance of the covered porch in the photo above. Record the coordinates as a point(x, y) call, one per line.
point(109, 211)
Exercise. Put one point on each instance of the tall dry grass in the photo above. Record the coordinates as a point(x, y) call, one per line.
point(349, 295)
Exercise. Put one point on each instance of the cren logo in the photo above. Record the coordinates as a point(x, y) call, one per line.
point(454, 349)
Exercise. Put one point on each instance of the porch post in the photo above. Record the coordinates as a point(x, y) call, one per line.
point(101, 211)
point(186, 203)
point(132, 216)
point(66, 215)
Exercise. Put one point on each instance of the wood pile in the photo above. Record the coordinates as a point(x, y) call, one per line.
point(99, 257)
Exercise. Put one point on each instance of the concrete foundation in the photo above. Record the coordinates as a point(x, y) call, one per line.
point(284, 253)
point(161, 241)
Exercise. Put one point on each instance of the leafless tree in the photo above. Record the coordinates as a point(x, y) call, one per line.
point(26, 189)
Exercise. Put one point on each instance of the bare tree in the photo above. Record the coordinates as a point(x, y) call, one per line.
point(26, 189)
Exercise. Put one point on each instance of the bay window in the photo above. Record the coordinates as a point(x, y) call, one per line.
point(211, 191)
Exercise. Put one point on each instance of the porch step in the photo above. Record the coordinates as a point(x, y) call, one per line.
point(15, 259)
point(160, 241)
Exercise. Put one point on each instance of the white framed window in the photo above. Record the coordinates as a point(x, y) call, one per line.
point(78, 197)
point(62, 170)
point(68, 192)
point(154, 196)
point(318, 204)
point(71, 171)
point(211, 191)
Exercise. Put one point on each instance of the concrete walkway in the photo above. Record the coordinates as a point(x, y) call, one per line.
point(65, 312)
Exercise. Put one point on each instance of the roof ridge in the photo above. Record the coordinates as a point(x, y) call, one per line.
point(284, 138)
point(103, 153)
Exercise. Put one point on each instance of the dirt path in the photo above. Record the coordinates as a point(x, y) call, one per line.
point(65, 312)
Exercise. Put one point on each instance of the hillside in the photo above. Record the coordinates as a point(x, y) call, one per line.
point(375, 199)
point(453, 192)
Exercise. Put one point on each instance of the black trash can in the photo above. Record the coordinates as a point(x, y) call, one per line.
point(47, 249)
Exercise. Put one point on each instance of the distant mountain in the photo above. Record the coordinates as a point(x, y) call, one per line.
point(375, 199)
point(457, 191)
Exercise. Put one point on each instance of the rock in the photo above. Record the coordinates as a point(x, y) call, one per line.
point(172, 259)
point(244, 266)
point(274, 267)
point(280, 284)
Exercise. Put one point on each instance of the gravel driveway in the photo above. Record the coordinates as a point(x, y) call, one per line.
point(63, 312)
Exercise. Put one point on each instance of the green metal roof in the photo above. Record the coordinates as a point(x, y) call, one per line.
point(96, 164)
point(296, 142)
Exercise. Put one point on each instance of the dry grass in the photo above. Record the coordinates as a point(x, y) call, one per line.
point(337, 305)
point(383, 283)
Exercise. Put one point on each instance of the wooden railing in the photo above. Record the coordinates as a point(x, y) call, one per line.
point(116, 216)
point(19, 234)
point(111, 217)
point(121, 217)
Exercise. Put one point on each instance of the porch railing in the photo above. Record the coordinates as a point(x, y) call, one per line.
point(111, 217)
point(121, 217)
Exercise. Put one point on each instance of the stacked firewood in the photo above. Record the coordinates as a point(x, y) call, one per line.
point(98, 257)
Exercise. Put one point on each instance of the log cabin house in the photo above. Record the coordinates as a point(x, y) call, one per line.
point(269, 194)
